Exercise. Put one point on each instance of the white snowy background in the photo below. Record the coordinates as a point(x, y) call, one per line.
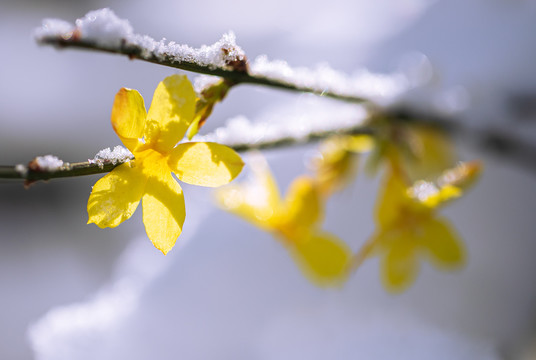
point(72, 291)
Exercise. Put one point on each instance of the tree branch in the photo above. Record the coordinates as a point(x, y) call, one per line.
point(238, 75)
point(101, 30)
point(32, 172)
point(494, 142)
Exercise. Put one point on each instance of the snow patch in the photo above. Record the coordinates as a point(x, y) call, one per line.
point(104, 27)
point(49, 163)
point(323, 78)
point(108, 156)
point(203, 82)
point(21, 169)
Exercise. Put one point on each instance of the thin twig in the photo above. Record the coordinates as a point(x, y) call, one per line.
point(497, 142)
point(33, 173)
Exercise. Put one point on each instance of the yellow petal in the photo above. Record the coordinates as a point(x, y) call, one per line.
point(303, 203)
point(323, 258)
point(443, 245)
point(205, 164)
point(194, 127)
point(360, 143)
point(171, 112)
point(428, 194)
point(336, 166)
point(163, 211)
point(237, 200)
point(114, 198)
point(400, 266)
point(392, 198)
point(445, 194)
point(257, 200)
point(128, 117)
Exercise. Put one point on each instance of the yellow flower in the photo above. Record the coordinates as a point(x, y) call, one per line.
point(408, 226)
point(152, 138)
point(294, 221)
point(336, 164)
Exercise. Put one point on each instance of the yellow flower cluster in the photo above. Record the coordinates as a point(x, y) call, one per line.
point(408, 226)
point(407, 222)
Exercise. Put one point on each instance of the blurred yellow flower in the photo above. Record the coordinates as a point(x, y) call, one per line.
point(295, 221)
point(152, 138)
point(336, 164)
point(409, 227)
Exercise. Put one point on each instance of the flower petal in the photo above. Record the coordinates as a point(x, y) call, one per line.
point(256, 200)
point(163, 211)
point(116, 196)
point(392, 198)
point(443, 244)
point(400, 266)
point(171, 112)
point(128, 116)
point(303, 203)
point(323, 257)
point(205, 163)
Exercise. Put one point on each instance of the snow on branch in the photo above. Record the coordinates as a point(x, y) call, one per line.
point(102, 30)
point(290, 125)
point(105, 31)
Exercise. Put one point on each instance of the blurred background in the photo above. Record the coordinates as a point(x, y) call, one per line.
point(229, 291)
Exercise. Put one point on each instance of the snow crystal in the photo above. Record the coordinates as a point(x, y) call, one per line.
point(107, 156)
point(203, 82)
point(422, 190)
point(21, 169)
point(104, 28)
point(49, 163)
point(365, 84)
